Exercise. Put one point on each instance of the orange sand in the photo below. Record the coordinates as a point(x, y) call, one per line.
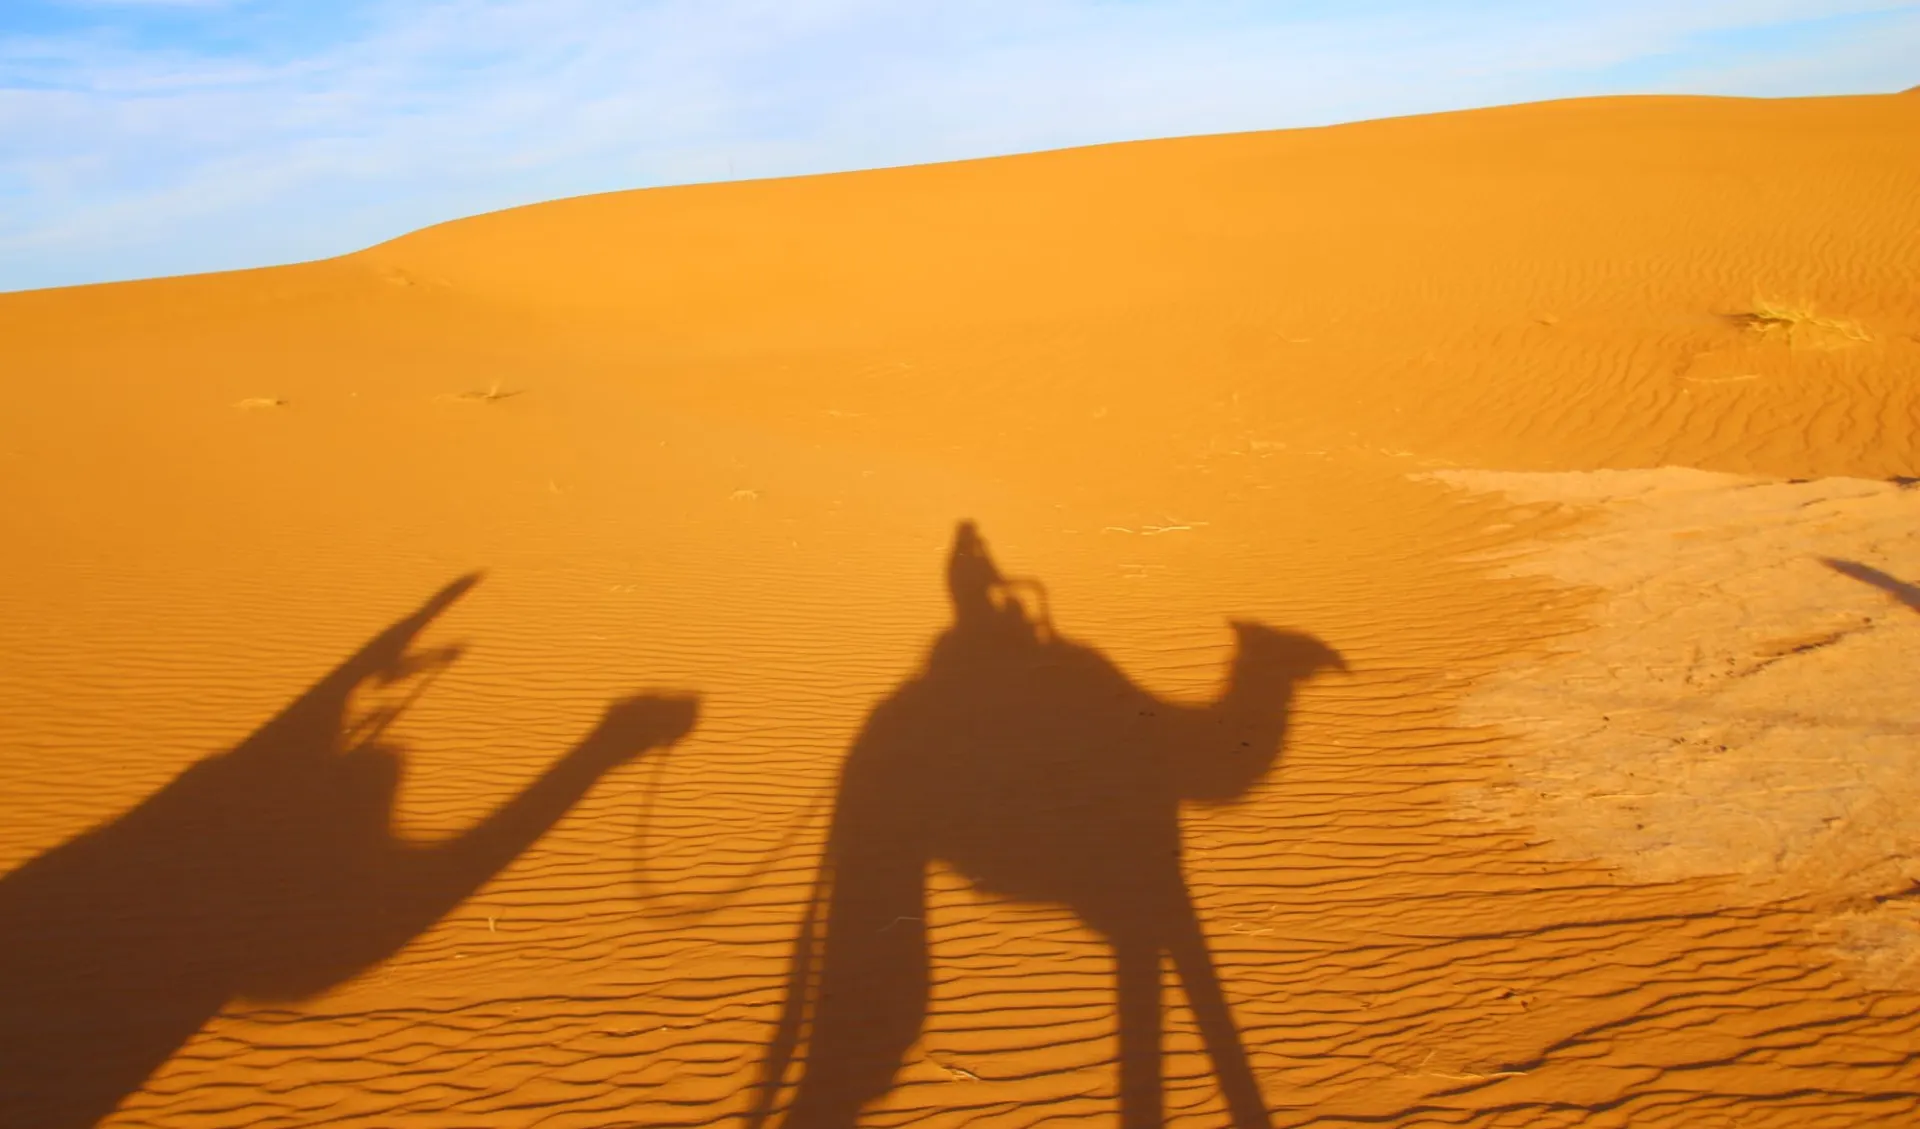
point(714, 441)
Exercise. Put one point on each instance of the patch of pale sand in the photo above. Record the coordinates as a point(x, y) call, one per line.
point(1744, 702)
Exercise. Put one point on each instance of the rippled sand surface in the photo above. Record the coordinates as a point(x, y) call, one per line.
point(1561, 451)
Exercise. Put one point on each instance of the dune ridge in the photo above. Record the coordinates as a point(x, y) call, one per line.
point(717, 440)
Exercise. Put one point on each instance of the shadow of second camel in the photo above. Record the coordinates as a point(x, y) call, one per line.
point(1035, 768)
point(269, 871)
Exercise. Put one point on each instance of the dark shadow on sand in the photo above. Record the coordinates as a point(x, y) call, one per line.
point(270, 872)
point(1036, 768)
point(1908, 594)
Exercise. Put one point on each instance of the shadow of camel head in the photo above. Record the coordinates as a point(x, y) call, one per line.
point(1034, 767)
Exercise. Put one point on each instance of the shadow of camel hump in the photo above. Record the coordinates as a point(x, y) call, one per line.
point(1034, 767)
point(270, 871)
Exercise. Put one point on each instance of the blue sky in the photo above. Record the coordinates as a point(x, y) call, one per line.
point(148, 137)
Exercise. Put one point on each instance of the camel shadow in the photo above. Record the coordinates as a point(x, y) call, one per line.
point(270, 871)
point(1034, 767)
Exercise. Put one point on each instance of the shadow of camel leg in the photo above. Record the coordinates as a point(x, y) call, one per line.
point(875, 978)
point(1137, 972)
point(1194, 965)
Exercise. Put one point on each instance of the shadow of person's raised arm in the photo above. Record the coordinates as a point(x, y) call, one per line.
point(269, 871)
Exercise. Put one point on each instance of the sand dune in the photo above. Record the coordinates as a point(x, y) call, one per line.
point(1570, 429)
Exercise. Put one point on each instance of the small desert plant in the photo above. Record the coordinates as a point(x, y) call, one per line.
point(491, 395)
point(1793, 319)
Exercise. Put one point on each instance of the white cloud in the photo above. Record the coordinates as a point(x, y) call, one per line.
point(121, 161)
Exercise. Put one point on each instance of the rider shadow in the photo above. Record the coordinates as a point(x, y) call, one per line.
point(1035, 768)
point(268, 872)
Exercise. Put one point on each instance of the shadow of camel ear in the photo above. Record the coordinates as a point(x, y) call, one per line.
point(1292, 653)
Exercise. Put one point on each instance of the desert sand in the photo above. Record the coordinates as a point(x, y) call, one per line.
point(1434, 646)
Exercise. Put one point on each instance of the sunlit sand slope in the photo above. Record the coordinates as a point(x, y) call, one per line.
point(714, 442)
